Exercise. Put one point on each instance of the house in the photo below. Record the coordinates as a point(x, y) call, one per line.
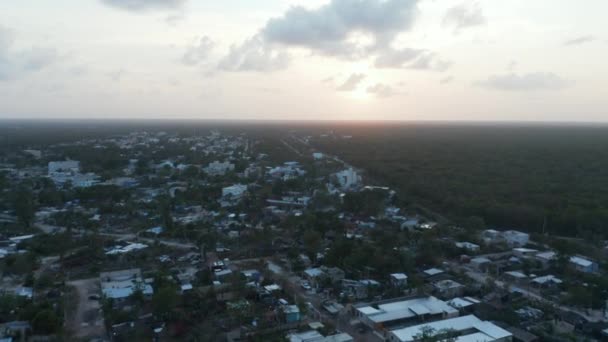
point(63, 172)
point(432, 273)
point(468, 246)
point(315, 336)
point(292, 313)
point(318, 156)
point(481, 263)
point(515, 276)
point(314, 275)
point(447, 289)
point(546, 281)
point(546, 258)
point(516, 238)
point(120, 285)
point(580, 263)
point(512, 238)
point(348, 179)
point(218, 169)
point(410, 224)
point(235, 191)
point(521, 252)
point(464, 304)
point(60, 167)
point(336, 274)
point(398, 280)
point(358, 289)
point(411, 311)
point(467, 328)
point(585, 265)
point(25, 292)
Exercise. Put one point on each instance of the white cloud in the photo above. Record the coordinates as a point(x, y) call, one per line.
point(446, 80)
point(15, 64)
point(525, 82)
point(144, 5)
point(37, 58)
point(345, 29)
point(579, 41)
point(464, 16)
point(352, 82)
point(198, 52)
point(391, 58)
point(381, 90)
point(254, 55)
point(328, 29)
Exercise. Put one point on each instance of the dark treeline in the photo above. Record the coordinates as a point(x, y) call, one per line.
point(513, 176)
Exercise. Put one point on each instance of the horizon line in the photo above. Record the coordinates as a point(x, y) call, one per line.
point(456, 122)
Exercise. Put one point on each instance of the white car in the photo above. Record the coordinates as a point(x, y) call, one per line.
point(306, 286)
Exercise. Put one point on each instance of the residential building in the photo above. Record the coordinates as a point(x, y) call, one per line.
point(348, 179)
point(235, 191)
point(448, 288)
point(415, 310)
point(583, 264)
point(218, 169)
point(516, 238)
point(467, 328)
point(399, 279)
point(120, 285)
point(292, 313)
point(469, 246)
point(315, 336)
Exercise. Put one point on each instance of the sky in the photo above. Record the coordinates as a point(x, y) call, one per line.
point(483, 60)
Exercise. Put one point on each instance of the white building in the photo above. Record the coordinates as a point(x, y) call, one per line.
point(69, 166)
point(234, 191)
point(315, 336)
point(516, 238)
point(62, 172)
point(218, 169)
point(583, 264)
point(399, 279)
point(407, 311)
point(513, 238)
point(468, 328)
point(119, 285)
point(348, 179)
point(469, 246)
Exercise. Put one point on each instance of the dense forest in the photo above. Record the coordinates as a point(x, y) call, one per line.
point(531, 177)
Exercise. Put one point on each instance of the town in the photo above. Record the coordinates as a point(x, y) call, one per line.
point(243, 235)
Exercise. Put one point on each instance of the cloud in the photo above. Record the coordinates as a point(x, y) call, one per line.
point(37, 58)
point(391, 58)
point(6, 40)
point(381, 90)
point(144, 5)
point(344, 29)
point(579, 41)
point(328, 29)
point(254, 55)
point(15, 64)
point(525, 82)
point(117, 75)
point(430, 61)
point(352, 82)
point(464, 16)
point(446, 80)
point(198, 52)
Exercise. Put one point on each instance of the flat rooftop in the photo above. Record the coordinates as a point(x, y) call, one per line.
point(406, 309)
point(474, 329)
